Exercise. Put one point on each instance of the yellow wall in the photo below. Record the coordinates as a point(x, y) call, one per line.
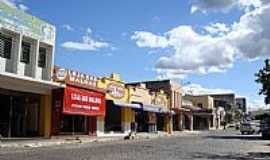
point(127, 115)
point(115, 79)
point(139, 94)
point(160, 98)
point(45, 115)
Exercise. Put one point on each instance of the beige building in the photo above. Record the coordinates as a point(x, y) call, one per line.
point(154, 115)
point(203, 112)
point(174, 92)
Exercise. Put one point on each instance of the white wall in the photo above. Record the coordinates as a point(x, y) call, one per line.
point(14, 65)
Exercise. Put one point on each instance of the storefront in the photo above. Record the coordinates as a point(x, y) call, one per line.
point(25, 107)
point(154, 115)
point(77, 106)
point(120, 114)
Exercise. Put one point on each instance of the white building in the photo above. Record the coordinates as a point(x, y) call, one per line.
point(26, 66)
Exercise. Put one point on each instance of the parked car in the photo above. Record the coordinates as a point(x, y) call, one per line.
point(265, 127)
point(249, 127)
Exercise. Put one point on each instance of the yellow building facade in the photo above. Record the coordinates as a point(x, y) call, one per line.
point(119, 112)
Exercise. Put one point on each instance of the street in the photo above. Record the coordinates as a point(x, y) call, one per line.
point(206, 145)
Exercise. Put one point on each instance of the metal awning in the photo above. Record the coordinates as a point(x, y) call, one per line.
point(128, 105)
point(151, 108)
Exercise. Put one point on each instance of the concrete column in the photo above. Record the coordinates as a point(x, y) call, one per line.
point(180, 116)
point(100, 125)
point(191, 123)
point(35, 58)
point(126, 119)
point(45, 115)
point(17, 54)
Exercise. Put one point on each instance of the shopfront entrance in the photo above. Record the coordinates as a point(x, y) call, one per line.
point(72, 124)
point(113, 117)
point(19, 114)
point(75, 111)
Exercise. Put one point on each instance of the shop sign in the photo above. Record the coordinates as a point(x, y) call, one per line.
point(18, 20)
point(83, 102)
point(75, 78)
point(116, 90)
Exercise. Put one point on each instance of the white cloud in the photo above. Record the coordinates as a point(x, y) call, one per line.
point(87, 44)
point(196, 89)
point(23, 7)
point(68, 27)
point(217, 29)
point(205, 6)
point(16, 4)
point(147, 39)
point(216, 50)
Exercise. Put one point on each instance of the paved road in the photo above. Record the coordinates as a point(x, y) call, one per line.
point(207, 145)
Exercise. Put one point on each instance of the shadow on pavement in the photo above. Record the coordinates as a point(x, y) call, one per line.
point(248, 156)
point(239, 137)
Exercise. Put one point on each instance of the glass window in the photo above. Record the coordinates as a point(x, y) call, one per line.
point(25, 54)
point(5, 46)
point(42, 57)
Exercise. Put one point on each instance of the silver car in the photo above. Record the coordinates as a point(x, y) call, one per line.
point(249, 127)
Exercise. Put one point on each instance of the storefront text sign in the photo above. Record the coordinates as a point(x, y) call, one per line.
point(83, 102)
point(75, 78)
point(116, 90)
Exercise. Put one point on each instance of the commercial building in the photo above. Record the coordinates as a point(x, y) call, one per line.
point(203, 111)
point(77, 106)
point(200, 112)
point(174, 94)
point(241, 104)
point(226, 101)
point(120, 113)
point(154, 114)
point(26, 60)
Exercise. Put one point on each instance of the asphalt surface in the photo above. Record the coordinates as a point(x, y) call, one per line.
point(206, 145)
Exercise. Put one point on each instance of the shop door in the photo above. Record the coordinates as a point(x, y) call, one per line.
point(73, 124)
point(19, 116)
point(4, 116)
point(92, 128)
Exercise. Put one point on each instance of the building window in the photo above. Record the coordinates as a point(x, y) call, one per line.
point(5, 46)
point(25, 54)
point(200, 105)
point(42, 57)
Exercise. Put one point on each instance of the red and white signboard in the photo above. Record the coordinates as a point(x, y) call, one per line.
point(82, 102)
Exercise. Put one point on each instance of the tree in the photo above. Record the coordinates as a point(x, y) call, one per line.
point(263, 77)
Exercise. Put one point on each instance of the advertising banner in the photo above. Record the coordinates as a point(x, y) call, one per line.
point(83, 102)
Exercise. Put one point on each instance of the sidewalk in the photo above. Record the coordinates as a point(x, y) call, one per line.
point(61, 140)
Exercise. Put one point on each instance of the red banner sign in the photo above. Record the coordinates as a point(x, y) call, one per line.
point(82, 102)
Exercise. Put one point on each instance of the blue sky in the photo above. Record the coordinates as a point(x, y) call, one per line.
point(146, 40)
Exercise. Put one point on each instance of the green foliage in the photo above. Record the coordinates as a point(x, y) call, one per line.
point(263, 78)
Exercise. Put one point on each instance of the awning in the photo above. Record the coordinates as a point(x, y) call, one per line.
point(128, 105)
point(165, 110)
point(152, 108)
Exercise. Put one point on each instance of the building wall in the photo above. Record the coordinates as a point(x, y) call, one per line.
point(139, 94)
point(21, 26)
point(117, 92)
point(30, 78)
point(206, 101)
point(170, 88)
point(114, 79)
